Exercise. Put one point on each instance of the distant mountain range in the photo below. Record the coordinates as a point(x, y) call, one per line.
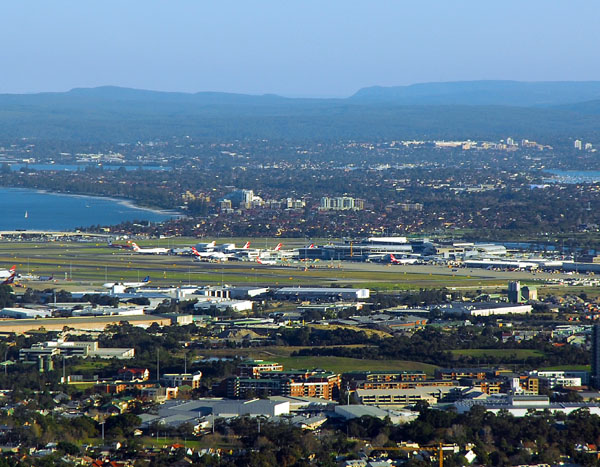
point(473, 109)
point(512, 93)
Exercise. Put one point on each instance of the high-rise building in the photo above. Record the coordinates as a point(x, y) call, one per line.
point(341, 203)
point(578, 144)
point(595, 375)
point(514, 292)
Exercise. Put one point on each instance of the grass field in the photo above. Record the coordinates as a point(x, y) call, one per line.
point(284, 356)
point(499, 353)
point(568, 367)
point(344, 364)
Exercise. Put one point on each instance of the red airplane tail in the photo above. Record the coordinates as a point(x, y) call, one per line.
point(9, 280)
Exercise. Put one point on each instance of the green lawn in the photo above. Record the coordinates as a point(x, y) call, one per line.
point(344, 364)
point(89, 365)
point(499, 353)
point(568, 367)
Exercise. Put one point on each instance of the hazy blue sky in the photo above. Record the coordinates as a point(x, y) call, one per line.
point(292, 47)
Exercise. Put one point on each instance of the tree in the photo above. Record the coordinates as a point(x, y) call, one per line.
point(6, 296)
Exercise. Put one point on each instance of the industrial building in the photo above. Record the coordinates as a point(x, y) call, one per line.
point(484, 308)
point(518, 294)
point(521, 406)
point(500, 264)
point(321, 293)
point(360, 250)
point(176, 413)
point(24, 313)
point(82, 349)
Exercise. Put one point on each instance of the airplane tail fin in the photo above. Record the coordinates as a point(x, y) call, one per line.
point(311, 246)
point(246, 246)
point(278, 247)
point(195, 252)
point(9, 280)
point(135, 246)
point(146, 279)
point(13, 269)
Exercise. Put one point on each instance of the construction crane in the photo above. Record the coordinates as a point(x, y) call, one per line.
point(439, 449)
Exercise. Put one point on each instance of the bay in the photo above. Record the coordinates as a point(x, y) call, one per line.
point(82, 167)
point(573, 176)
point(29, 209)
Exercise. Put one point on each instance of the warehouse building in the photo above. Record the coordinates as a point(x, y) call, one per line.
point(321, 293)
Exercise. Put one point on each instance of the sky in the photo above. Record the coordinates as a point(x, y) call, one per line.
point(318, 48)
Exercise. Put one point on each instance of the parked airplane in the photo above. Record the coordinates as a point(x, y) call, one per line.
point(230, 247)
point(123, 246)
point(266, 262)
point(145, 281)
point(211, 255)
point(390, 259)
point(206, 246)
point(275, 254)
point(6, 273)
point(149, 251)
point(46, 278)
point(395, 260)
point(9, 280)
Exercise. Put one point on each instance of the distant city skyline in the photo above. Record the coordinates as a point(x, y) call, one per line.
point(296, 49)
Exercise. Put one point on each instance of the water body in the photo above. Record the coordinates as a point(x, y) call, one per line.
point(573, 176)
point(38, 210)
point(74, 168)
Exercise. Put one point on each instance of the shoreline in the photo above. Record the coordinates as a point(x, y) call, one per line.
point(121, 201)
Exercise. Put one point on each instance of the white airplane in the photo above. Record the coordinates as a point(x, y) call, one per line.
point(274, 254)
point(149, 251)
point(266, 262)
point(390, 259)
point(145, 281)
point(205, 246)
point(230, 247)
point(6, 273)
point(246, 253)
point(394, 260)
point(211, 255)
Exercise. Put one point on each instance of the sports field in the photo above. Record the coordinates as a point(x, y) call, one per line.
point(283, 355)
